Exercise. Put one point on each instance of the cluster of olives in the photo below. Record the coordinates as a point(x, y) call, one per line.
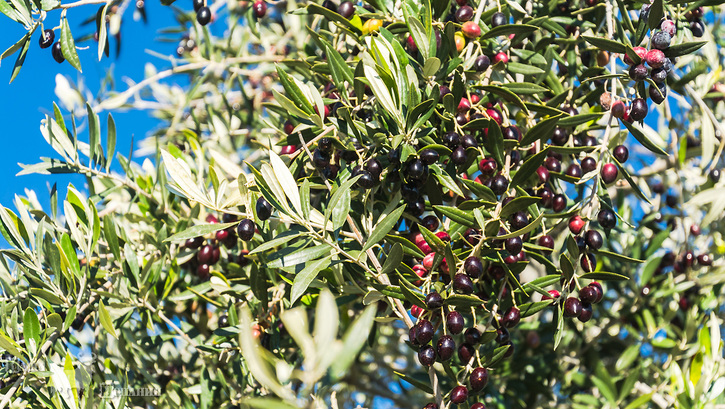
point(659, 65)
point(581, 307)
point(468, 30)
point(475, 279)
point(694, 16)
point(208, 251)
point(445, 347)
point(208, 254)
point(46, 40)
point(680, 264)
point(651, 63)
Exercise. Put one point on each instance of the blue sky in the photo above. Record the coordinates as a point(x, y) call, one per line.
point(31, 95)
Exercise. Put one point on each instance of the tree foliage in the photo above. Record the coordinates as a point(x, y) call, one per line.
point(548, 171)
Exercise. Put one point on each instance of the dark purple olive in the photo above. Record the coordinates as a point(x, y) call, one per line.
point(454, 322)
point(425, 332)
point(445, 347)
point(473, 267)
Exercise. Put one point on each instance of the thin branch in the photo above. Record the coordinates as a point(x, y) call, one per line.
point(170, 324)
point(82, 3)
point(120, 99)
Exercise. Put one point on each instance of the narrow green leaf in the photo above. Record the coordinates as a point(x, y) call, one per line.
point(286, 180)
point(282, 238)
point(383, 227)
point(603, 275)
point(55, 321)
point(94, 131)
point(482, 192)
point(619, 257)
point(533, 307)
point(95, 225)
point(31, 326)
point(633, 55)
point(606, 44)
point(519, 203)
point(541, 131)
point(566, 265)
point(10, 12)
point(420, 113)
point(495, 356)
point(353, 341)
point(457, 215)
point(640, 401)
point(464, 301)
point(678, 50)
point(632, 183)
point(506, 29)
point(18, 44)
point(110, 140)
point(339, 205)
point(495, 143)
point(544, 281)
point(656, 12)
point(431, 67)
point(70, 316)
point(288, 106)
point(523, 69)
point(256, 357)
point(506, 94)
point(383, 94)
point(109, 232)
point(447, 181)
point(335, 17)
point(23, 9)
point(528, 168)
point(304, 278)
point(559, 332)
point(70, 254)
point(68, 46)
point(627, 357)
point(294, 92)
point(105, 319)
point(132, 259)
point(395, 257)
point(46, 295)
point(305, 198)
point(435, 243)
point(410, 293)
point(525, 88)
point(417, 31)
point(102, 32)
point(21, 57)
point(408, 247)
point(258, 284)
point(643, 139)
point(605, 389)
point(299, 256)
point(341, 72)
point(572, 121)
point(341, 210)
point(267, 402)
point(9, 345)
point(418, 384)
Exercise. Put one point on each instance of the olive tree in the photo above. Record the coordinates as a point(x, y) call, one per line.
point(380, 204)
